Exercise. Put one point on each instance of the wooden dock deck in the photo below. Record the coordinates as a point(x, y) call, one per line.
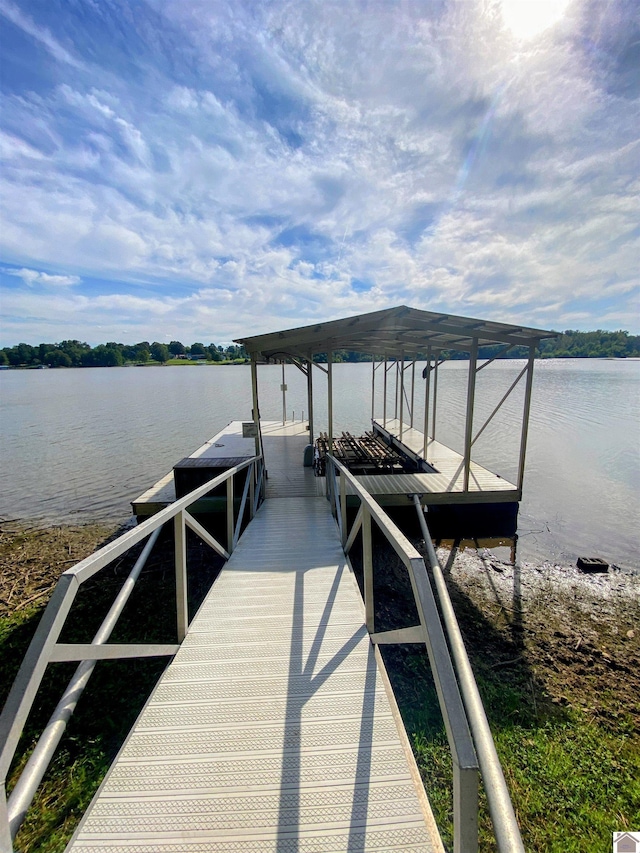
point(273, 728)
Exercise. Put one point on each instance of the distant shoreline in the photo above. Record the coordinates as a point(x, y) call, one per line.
point(245, 361)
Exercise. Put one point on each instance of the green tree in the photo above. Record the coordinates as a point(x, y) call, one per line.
point(57, 358)
point(197, 349)
point(143, 351)
point(3, 357)
point(75, 350)
point(160, 352)
point(176, 348)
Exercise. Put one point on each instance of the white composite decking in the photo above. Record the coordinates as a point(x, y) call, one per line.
point(272, 729)
point(446, 484)
point(283, 445)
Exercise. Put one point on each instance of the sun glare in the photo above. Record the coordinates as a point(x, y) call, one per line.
point(528, 18)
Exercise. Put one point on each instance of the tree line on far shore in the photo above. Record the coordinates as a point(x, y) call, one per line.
point(72, 353)
point(77, 354)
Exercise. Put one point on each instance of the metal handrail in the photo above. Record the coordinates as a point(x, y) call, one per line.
point(45, 649)
point(505, 824)
point(430, 632)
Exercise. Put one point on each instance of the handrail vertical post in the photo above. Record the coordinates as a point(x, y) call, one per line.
point(252, 489)
point(343, 506)
point(465, 809)
point(6, 842)
point(367, 569)
point(182, 611)
point(230, 525)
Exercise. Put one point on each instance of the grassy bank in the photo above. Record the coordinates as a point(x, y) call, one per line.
point(556, 656)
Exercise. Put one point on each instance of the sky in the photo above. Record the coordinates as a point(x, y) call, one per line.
point(199, 170)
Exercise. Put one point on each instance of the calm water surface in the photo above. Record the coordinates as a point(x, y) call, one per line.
point(79, 444)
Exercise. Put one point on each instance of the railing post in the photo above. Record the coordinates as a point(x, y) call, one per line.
point(252, 489)
point(6, 843)
point(180, 535)
point(367, 569)
point(343, 507)
point(230, 514)
point(465, 809)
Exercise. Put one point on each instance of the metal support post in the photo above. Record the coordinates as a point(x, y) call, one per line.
point(230, 525)
point(343, 507)
point(6, 842)
point(330, 399)
point(395, 413)
point(435, 398)
point(525, 416)
point(384, 391)
point(413, 390)
point(310, 396)
point(465, 809)
point(180, 535)
point(367, 569)
point(252, 489)
point(254, 395)
point(427, 401)
point(283, 388)
point(471, 392)
point(373, 386)
point(401, 392)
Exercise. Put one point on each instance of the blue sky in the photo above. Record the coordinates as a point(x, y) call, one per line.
point(202, 169)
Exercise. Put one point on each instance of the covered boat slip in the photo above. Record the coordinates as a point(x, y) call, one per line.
point(273, 728)
point(395, 340)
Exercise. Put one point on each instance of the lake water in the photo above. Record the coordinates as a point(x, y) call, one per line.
point(78, 445)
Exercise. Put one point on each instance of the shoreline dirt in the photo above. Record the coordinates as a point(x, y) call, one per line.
point(578, 632)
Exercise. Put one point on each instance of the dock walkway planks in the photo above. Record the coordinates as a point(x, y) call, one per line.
point(272, 729)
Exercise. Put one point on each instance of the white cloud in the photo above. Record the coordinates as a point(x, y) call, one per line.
point(31, 277)
point(283, 150)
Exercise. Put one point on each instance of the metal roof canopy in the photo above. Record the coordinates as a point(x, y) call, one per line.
point(391, 332)
point(400, 334)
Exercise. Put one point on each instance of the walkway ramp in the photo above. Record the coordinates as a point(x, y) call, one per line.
point(272, 729)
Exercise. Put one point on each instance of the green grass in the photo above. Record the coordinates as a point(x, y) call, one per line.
point(572, 783)
point(574, 777)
